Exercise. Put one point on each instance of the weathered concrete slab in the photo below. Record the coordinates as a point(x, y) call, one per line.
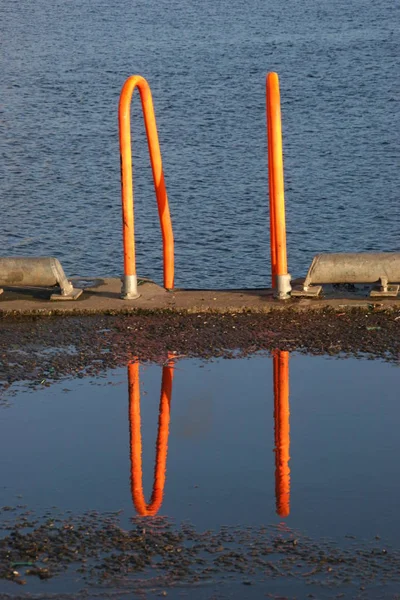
point(103, 296)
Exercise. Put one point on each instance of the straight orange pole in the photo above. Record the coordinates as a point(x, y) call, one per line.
point(127, 184)
point(139, 501)
point(271, 203)
point(280, 277)
point(282, 432)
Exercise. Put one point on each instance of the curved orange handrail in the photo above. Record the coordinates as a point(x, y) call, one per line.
point(158, 177)
point(275, 177)
point(138, 498)
point(282, 432)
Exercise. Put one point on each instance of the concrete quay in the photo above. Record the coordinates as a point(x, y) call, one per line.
point(102, 296)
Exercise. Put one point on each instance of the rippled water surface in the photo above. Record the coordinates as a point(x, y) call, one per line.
point(64, 64)
point(307, 444)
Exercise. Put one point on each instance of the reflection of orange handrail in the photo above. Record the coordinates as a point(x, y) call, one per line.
point(282, 432)
point(280, 277)
point(127, 185)
point(136, 440)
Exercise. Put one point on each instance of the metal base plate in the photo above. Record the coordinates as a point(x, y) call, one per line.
point(311, 292)
point(391, 291)
point(72, 296)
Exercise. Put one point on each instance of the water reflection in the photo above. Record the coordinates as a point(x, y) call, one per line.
point(282, 432)
point(281, 427)
point(138, 497)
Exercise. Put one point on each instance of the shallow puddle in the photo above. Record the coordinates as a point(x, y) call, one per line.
point(305, 448)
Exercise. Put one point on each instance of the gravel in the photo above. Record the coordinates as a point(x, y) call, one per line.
point(43, 349)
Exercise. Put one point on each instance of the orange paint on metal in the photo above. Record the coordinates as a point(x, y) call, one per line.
point(282, 432)
point(158, 178)
point(275, 177)
point(271, 204)
point(138, 498)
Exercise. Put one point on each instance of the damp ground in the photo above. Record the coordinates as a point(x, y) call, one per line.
point(202, 477)
point(44, 349)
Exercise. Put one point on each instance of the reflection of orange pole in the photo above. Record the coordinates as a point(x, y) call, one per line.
point(127, 185)
point(280, 277)
point(136, 440)
point(282, 432)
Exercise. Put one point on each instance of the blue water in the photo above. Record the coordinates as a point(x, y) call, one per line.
point(68, 445)
point(64, 64)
